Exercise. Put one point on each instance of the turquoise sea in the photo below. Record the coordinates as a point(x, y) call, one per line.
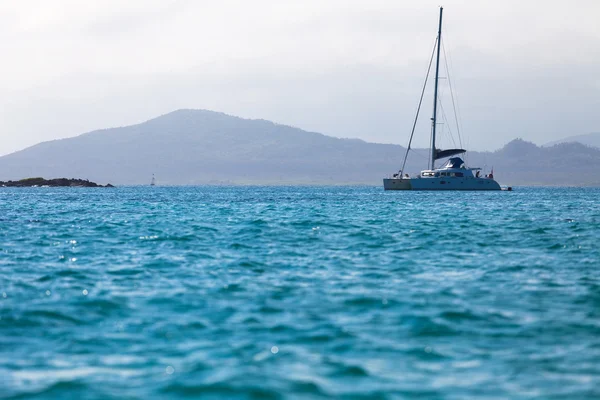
point(299, 292)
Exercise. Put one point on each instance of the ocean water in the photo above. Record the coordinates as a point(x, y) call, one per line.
point(299, 292)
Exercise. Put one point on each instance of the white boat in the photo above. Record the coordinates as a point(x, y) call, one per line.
point(153, 181)
point(453, 174)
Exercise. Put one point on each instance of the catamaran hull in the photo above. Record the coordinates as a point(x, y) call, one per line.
point(451, 183)
point(396, 184)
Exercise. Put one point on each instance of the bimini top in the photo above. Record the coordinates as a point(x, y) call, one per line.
point(454, 162)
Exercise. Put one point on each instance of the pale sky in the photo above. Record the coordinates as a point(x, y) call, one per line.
point(345, 68)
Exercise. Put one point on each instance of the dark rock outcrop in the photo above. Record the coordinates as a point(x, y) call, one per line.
point(35, 182)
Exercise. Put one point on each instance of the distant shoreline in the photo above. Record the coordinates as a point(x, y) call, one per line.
point(58, 182)
point(198, 147)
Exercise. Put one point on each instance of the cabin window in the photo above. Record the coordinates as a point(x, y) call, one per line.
point(460, 174)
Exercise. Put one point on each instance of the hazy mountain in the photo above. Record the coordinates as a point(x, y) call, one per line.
point(523, 163)
point(590, 139)
point(196, 147)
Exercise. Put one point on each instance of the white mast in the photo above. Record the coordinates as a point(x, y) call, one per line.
point(435, 92)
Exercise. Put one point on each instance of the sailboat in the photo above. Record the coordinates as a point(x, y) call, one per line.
point(153, 181)
point(453, 174)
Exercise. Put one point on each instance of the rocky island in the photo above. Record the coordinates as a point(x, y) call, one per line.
point(59, 182)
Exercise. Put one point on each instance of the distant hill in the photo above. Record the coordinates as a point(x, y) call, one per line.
point(590, 139)
point(523, 163)
point(189, 147)
point(197, 146)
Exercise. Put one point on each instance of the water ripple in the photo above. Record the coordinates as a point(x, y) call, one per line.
point(298, 292)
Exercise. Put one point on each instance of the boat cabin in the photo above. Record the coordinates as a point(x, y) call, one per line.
point(454, 167)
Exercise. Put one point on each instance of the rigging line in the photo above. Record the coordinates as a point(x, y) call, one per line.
point(448, 124)
point(419, 107)
point(452, 95)
point(449, 60)
point(444, 117)
point(420, 155)
point(430, 145)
